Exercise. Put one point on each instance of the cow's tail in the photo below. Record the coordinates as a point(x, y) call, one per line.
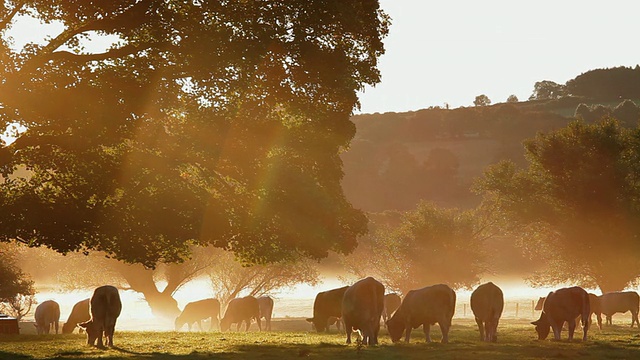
point(586, 310)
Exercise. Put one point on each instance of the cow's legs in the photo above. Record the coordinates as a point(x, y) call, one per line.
point(599, 319)
point(634, 318)
point(557, 329)
point(100, 332)
point(572, 328)
point(248, 322)
point(427, 332)
point(214, 320)
point(348, 329)
point(481, 329)
point(56, 326)
point(259, 323)
point(444, 328)
point(609, 319)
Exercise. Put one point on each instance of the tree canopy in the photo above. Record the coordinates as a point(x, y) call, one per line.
point(576, 207)
point(205, 122)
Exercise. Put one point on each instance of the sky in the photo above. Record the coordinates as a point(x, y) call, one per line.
point(450, 51)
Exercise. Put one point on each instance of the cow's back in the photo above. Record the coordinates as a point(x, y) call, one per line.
point(566, 304)
point(362, 306)
point(46, 314)
point(265, 304)
point(487, 302)
point(105, 305)
point(201, 309)
point(429, 304)
point(391, 303)
point(79, 313)
point(613, 302)
point(242, 308)
point(327, 304)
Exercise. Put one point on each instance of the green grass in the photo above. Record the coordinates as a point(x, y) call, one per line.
point(517, 340)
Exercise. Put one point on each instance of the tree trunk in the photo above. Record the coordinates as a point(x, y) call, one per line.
point(162, 304)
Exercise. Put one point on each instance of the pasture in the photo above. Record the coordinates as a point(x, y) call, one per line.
point(291, 339)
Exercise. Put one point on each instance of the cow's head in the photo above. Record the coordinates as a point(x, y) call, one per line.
point(67, 328)
point(318, 324)
point(179, 323)
point(543, 326)
point(92, 331)
point(396, 327)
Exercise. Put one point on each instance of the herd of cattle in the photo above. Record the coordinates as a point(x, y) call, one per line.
point(360, 307)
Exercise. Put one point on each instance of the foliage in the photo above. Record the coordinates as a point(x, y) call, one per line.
point(576, 205)
point(203, 123)
point(14, 284)
point(482, 100)
point(547, 90)
point(426, 246)
point(19, 306)
point(512, 99)
point(230, 278)
point(607, 84)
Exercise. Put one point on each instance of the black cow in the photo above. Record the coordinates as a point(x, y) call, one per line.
point(79, 313)
point(327, 305)
point(265, 304)
point(105, 307)
point(361, 309)
point(564, 305)
point(619, 302)
point(391, 304)
point(47, 315)
point(487, 303)
point(195, 312)
point(426, 306)
point(239, 310)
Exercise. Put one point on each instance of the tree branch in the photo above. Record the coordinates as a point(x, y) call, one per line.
point(4, 22)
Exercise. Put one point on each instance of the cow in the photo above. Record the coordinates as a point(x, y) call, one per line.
point(47, 315)
point(362, 306)
point(105, 307)
point(265, 304)
point(563, 305)
point(487, 303)
point(594, 306)
point(327, 304)
point(79, 313)
point(391, 303)
point(195, 312)
point(426, 306)
point(619, 302)
point(239, 310)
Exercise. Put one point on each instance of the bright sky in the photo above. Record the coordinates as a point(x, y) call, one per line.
point(450, 51)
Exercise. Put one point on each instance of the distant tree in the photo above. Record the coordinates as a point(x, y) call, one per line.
point(547, 90)
point(576, 208)
point(583, 111)
point(429, 245)
point(607, 84)
point(628, 113)
point(482, 100)
point(230, 278)
point(512, 99)
point(16, 287)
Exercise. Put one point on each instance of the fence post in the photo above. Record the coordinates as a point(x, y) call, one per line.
point(533, 307)
point(517, 309)
point(464, 309)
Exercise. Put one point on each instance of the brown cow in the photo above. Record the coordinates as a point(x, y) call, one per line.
point(47, 315)
point(265, 304)
point(195, 312)
point(326, 307)
point(79, 313)
point(105, 307)
point(391, 304)
point(563, 305)
point(594, 306)
point(239, 310)
point(619, 302)
point(361, 309)
point(426, 306)
point(487, 303)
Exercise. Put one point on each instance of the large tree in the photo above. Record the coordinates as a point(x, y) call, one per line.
point(16, 287)
point(205, 122)
point(576, 207)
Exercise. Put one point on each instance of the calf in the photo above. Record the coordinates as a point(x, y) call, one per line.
point(426, 306)
point(391, 304)
point(619, 302)
point(47, 315)
point(563, 305)
point(361, 309)
point(195, 312)
point(326, 307)
point(105, 307)
point(239, 310)
point(265, 304)
point(487, 303)
point(79, 313)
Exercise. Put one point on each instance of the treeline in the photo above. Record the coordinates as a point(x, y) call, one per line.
point(397, 159)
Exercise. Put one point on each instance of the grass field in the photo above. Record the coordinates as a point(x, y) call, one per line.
point(517, 340)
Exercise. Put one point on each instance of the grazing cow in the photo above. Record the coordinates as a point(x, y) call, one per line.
point(265, 304)
point(79, 313)
point(487, 303)
point(619, 302)
point(105, 307)
point(327, 304)
point(47, 315)
point(239, 310)
point(361, 309)
point(426, 306)
point(391, 303)
point(594, 306)
point(564, 305)
point(195, 312)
